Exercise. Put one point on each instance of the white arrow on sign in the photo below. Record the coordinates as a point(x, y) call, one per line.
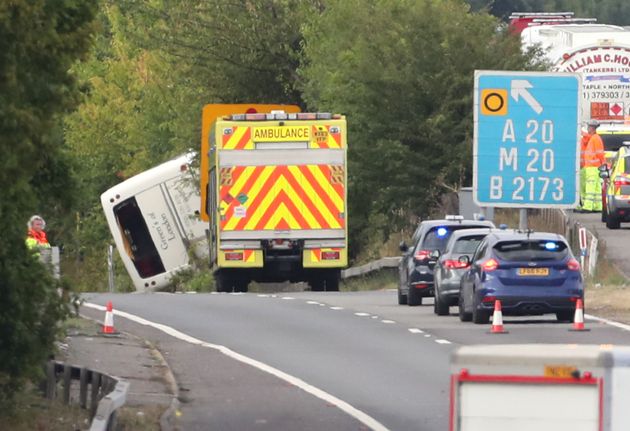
point(519, 89)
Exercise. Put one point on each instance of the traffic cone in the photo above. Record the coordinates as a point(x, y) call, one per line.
point(497, 319)
point(108, 324)
point(578, 320)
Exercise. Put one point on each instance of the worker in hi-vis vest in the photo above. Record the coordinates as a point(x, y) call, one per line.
point(36, 237)
point(592, 157)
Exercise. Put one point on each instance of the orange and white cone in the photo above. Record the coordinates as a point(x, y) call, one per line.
point(497, 319)
point(578, 320)
point(108, 324)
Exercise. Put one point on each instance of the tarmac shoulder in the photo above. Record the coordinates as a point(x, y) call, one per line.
point(152, 390)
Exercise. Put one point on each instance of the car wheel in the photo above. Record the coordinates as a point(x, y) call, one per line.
point(402, 299)
point(612, 221)
point(564, 316)
point(463, 315)
point(479, 316)
point(413, 298)
point(440, 307)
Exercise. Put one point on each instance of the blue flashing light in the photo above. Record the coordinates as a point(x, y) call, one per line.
point(441, 231)
point(551, 245)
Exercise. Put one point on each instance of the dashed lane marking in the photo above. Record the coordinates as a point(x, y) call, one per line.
point(440, 341)
point(336, 308)
point(416, 331)
point(362, 314)
point(359, 415)
point(312, 302)
point(387, 321)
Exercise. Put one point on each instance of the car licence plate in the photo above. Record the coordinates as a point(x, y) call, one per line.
point(533, 271)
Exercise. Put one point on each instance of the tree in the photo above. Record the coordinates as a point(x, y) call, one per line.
point(39, 42)
point(150, 72)
point(403, 73)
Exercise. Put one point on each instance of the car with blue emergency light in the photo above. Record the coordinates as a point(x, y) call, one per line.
point(449, 268)
point(417, 262)
point(531, 273)
point(616, 205)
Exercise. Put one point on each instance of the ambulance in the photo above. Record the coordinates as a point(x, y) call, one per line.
point(276, 198)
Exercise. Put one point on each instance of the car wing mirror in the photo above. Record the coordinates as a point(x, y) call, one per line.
point(603, 173)
point(435, 254)
point(464, 260)
point(403, 247)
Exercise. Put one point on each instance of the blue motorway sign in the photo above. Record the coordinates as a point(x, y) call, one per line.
point(526, 142)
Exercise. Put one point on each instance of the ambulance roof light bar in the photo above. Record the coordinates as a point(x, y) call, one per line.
point(281, 115)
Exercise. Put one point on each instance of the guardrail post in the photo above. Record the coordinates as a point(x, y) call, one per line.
point(67, 383)
point(113, 422)
point(83, 387)
point(51, 380)
point(96, 386)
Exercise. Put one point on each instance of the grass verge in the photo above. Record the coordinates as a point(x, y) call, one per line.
point(33, 412)
point(378, 280)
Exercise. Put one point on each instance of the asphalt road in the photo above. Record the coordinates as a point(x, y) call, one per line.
point(617, 241)
point(388, 361)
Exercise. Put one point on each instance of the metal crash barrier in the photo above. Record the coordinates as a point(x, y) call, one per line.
point(106, 393)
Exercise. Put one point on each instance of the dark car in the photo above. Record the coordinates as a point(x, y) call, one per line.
point(532, 273)
point(449, 268)
point(416, 266)
point(616, 201)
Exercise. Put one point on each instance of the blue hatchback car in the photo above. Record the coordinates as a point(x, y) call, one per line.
point(532, 273)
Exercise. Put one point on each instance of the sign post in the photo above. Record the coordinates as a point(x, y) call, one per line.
point(583, 246)
point(526, 152)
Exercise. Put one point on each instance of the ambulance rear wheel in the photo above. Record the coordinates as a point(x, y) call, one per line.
point(332, 282)
point(241, 286)
point(225, 283)
point(317, 284)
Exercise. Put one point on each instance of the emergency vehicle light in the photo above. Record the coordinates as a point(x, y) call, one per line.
point(281, 115)
point(306, 116)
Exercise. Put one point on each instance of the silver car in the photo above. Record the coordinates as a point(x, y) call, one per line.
point(449, 269)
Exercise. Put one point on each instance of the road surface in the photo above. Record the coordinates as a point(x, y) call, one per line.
point(388, 362)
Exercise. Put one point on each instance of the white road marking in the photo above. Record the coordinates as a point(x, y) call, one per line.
point(191, 292)
point(263, 295)
point(288, 297)
point(440, 341)
point(387, 321)
point(416, 331)
point(374, 317)
point(312, 302)
point(427, 335)
point(608, 322)
point(336, 308)
point(362, 314)
point(359, 415)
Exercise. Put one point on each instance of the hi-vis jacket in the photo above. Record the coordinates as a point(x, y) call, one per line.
point(593, 155)
point(36, 240)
